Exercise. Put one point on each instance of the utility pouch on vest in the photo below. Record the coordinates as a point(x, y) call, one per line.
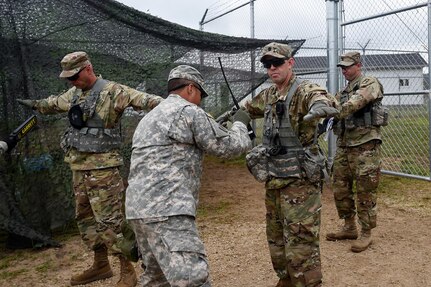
point(314, 165)
point(257, 163)
point(76, 117)
point(380, 115)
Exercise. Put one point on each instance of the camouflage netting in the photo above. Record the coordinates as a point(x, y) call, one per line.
point(126, 46)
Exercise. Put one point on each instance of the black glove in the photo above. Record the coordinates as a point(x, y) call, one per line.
point(11, 142)
point(241, 116)
point(27, 103)
point(319, 110)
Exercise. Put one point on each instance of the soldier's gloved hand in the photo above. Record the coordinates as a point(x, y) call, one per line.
point(27, 103)
point(3, 147)
point(241, 116)
point(225, 117)
point(319, 110)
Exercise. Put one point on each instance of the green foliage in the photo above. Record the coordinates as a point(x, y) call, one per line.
point(44, 267)
point(12, 274)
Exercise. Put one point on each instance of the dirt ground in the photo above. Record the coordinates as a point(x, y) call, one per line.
point(232, 224)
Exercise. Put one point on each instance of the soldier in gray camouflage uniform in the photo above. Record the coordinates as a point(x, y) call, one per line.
point(92, 146)
point(164, 180)
point(291, 164)
point(358, 152)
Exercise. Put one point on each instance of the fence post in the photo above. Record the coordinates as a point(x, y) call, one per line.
point(332, 51)
point(429, 85)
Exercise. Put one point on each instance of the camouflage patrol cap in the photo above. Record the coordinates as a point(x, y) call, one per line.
point(277, 50)
point(349, 59)
point(189, 73)
point(73, 63)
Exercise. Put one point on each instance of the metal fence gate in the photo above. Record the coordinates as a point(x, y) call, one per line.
point(393, 37)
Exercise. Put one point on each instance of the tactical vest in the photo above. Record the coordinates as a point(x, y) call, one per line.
point(281, 154)
point(281, 141)
point(87, 132)
point(373, 114)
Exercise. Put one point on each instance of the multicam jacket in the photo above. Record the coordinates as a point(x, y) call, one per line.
point(360, 92)
point(167, 153)
point(112, 101)
point(305, 96)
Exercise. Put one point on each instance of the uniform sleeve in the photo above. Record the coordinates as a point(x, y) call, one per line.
point(256, 106)
point(369, 90)
point(216, 140)
point(129, 97)
point(55, 104)
point(315, 93)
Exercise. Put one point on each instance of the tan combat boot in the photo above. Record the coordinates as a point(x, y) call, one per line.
point(362, 242)
point(100, 269)
point(348, 231)
point(127, 273)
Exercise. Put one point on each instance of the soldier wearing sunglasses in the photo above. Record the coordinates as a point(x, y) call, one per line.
point(91, 145)
point(292, 166)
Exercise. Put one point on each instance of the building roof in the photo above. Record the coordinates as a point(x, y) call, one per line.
point(377, 61)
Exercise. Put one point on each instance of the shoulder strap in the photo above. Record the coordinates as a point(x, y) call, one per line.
point(91, 100)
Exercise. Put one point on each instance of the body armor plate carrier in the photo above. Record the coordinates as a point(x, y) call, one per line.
point(87, 132)
point(281, 154)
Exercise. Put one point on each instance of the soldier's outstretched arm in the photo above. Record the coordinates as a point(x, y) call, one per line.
point(320, 109)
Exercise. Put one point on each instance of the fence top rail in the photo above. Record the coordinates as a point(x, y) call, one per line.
point(425, 92)
point(385, 14)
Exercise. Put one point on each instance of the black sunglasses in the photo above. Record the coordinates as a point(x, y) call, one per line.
point(184, 85)
point(276, 62)
point(75, 77)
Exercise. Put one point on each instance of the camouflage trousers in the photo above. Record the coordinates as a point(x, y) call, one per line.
point(292, 229)
point(359, 164)
point(99, 215)
point(172, 252)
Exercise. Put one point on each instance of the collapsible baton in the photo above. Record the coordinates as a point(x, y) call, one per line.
point(251, 133)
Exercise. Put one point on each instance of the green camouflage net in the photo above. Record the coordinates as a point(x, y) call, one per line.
point(124, 45)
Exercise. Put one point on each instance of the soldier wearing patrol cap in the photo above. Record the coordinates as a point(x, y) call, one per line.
point(91, 146)
point(290, 163)
point(357, 158)
point(164, 179)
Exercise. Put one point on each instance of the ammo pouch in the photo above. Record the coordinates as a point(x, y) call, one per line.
point(380, 115)
point(372, 115)
point(314, 166)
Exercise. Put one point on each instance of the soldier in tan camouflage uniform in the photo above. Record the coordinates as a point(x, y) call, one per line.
point(292, 166)
point(91, 144)
point(164, 180)
point(358, 152)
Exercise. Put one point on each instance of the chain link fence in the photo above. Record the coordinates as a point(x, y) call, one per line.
point(392, 36)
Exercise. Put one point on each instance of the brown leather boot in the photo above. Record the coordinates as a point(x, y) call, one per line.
point(100, 269)
point(348, 231)
point(284, 283)
point(127, 273)
point(362, 242)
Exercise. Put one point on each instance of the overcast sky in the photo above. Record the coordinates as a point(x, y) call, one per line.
point(186, 12)
point(305, 19)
